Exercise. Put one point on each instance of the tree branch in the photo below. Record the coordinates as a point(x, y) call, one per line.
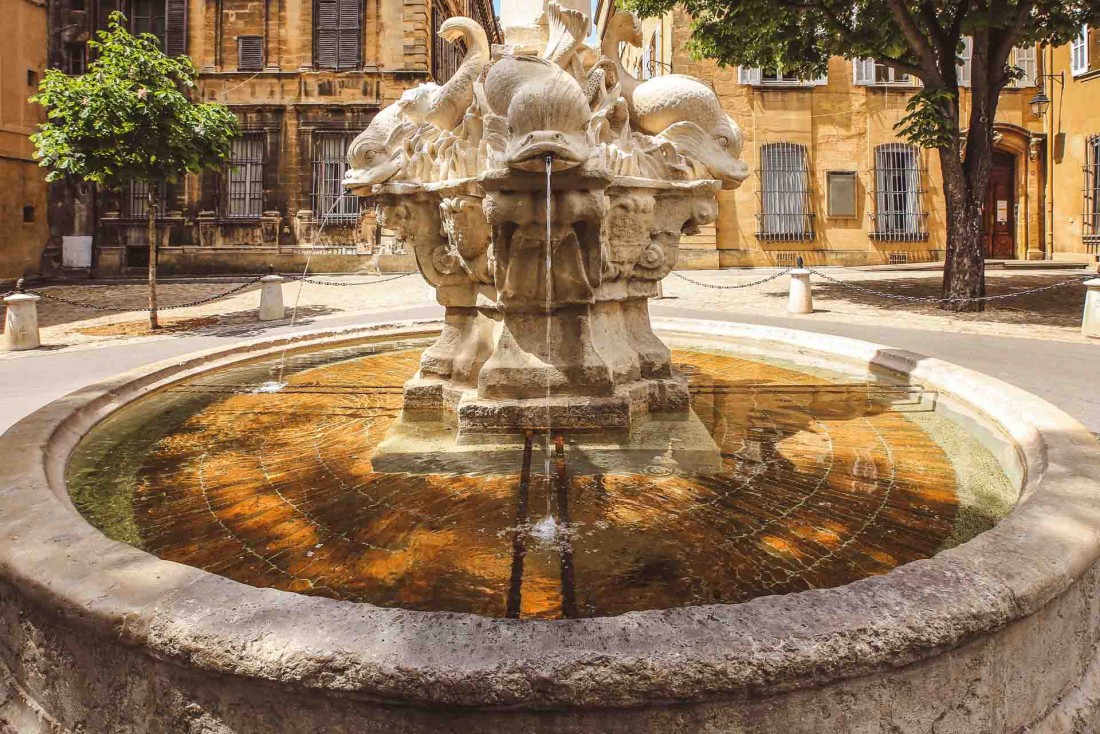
point(917, 42)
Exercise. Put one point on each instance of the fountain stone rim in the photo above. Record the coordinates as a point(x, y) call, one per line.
point(53, 559)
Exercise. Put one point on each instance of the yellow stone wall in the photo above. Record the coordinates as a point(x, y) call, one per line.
point(23, 50)
point(1074, 116)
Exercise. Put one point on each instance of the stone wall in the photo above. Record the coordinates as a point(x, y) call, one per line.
point(23, 228)
point(1070, 121)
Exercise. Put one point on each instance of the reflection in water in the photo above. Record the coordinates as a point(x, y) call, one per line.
point(823, 482)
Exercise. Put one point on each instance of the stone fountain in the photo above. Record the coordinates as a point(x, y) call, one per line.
point(544, 191)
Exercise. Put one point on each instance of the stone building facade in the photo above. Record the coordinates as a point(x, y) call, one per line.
point(1072, 127)
point(833, 184)
point(304, 77)
point(23, 194)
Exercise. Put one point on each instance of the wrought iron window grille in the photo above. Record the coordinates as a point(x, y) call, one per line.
point(784, 212)
point(244, 178)
point(899, 192)
point(135, 200)
point(330, 163)
point(1091, 210)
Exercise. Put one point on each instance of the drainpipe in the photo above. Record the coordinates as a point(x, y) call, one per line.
point(1048, 184)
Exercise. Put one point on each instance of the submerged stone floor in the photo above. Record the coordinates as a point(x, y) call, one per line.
point(825, 481)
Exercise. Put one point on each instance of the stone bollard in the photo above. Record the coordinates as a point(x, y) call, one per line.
point(1090, 319)
point(21, 323)
point(271, 298)
point(801, 299)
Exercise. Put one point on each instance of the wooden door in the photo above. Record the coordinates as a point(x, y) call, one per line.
point(999, 215)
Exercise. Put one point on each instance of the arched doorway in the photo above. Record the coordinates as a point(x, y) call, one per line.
point(999, 214)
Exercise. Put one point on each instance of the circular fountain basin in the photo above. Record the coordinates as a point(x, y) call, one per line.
point(241, 560)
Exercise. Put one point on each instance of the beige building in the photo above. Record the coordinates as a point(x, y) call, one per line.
point(23, 193)
point(304, 77)
point(833, 183)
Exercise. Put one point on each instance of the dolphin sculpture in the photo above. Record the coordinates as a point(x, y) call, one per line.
point(378, 153)
point(678, 108)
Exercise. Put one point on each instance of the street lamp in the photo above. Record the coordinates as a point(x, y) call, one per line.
point(1041, 102)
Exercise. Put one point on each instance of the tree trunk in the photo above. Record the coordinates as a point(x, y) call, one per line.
point(964, 262)
point(151, 231)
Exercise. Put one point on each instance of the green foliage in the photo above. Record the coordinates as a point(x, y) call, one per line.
point(130, 117)
point(928, 120)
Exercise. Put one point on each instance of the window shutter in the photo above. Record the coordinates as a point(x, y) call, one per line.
point(250, 53)
point(328, 30)
point(349, 42)
point(175, 27)
point(1079, 52)
point(863, 71)
point(1025, 59)
point(749, 76)
point(964, 65)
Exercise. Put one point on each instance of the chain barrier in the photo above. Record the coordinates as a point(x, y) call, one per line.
point(191, 304)
point(933, 299)
point(731, 287)
point(314, 281)
point(120, 309)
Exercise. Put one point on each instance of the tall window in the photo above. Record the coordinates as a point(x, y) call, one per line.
point(1079, 52)
point(148, 16)
point(899, 211)
point(1023, 58)
point(165, 19)
point(868, 72)
point(337, 38)
point(244, 181)
point(1084, 51)
point(330, 162)
point(446, 56)
point(1092, 190)
point(784, 193)
point(774, 77)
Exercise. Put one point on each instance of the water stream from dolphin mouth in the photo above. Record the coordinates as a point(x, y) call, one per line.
point(547, 525)
point(278, 383)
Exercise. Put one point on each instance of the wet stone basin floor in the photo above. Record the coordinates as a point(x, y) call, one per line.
point(263, 474)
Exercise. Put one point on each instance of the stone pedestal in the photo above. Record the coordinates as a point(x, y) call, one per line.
point(801, 298)
point(271, 298)
point(672, 444)
point(21, 322)
point(547, 324)
point(1090, 319)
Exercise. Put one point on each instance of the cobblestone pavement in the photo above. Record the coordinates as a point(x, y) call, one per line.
point(1053, 314)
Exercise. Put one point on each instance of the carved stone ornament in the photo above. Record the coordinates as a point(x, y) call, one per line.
point(544, 191)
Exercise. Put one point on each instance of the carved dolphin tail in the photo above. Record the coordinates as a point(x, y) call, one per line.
point(453, 99)
point(568, 29)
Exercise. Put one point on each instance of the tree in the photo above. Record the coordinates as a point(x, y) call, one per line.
point(922, 38)
point(130, 119)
